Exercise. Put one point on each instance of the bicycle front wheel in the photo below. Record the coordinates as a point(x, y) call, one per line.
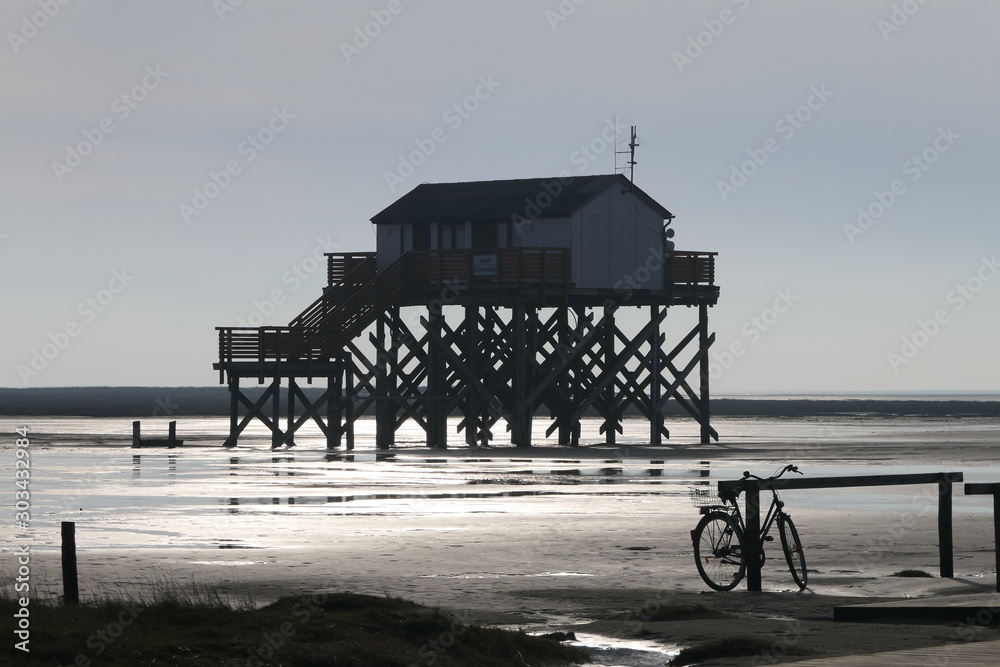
point(718, 551)
point(792, 547)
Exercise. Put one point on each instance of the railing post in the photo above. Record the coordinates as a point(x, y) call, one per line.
point(752, 538)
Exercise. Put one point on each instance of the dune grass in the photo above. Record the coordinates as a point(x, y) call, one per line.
point(168, 623)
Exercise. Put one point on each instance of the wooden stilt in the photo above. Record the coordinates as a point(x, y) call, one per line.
point(384, 411)
point(349, 395)
point(704, 341)
point(234, 408)
point(610, 394)
point(656, 418)
point(434, 397)
point(289, 439)
point(276, 413)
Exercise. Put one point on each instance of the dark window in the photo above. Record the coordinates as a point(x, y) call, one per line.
point(421, 236)
point(484, 234)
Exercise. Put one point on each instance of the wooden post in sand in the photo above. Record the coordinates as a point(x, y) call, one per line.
point(946, 557)
point(990, 488)
point(71, 588)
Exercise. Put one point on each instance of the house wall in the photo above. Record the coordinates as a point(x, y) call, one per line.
point(389, 244)
point(614, 235)
point(545, 233)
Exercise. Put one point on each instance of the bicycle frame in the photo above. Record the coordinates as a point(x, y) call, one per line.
point(777, 504)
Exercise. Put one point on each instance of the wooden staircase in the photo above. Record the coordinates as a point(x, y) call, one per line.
point(322, 330)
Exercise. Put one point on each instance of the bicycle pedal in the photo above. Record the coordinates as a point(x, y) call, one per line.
point(769, 538)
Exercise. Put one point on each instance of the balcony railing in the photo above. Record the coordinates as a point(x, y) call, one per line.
point(499, 266)
point(359, 265)
point(692, 268)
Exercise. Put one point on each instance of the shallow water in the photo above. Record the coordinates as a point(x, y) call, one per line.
point(204, 496)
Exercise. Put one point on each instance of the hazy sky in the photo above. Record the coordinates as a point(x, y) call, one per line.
point(170, 167)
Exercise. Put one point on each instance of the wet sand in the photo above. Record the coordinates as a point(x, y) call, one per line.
point(563, 565)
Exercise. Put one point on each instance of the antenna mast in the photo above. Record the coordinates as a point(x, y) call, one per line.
point(631, 157)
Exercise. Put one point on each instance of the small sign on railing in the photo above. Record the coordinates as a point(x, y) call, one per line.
point(484, 265)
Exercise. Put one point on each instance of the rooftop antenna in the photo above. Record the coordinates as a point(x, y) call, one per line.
point(630, 165)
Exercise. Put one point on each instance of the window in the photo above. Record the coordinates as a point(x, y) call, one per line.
point(484, 234)
point(421, 236)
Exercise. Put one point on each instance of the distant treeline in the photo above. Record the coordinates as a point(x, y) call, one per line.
point(214, 401)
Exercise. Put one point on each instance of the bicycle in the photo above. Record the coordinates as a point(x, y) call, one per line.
point(719, 537)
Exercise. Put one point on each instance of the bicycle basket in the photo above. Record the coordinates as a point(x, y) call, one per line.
point(705, 496)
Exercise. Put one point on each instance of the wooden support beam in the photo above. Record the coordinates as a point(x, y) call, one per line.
point(385, 409)
point(521, 426)
point(349, 394)
point(276, 434)
point(609, 373)
point(612, 417)
point(234, 407)
point(334, 409)
point(656, 418)
point(704, 341)
point(289, 440)
point(435, 397)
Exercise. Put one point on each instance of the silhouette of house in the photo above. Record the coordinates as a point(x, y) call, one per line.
point(540, 266)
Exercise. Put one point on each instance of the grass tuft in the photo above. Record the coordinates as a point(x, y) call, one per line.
point(677, 612)
point(911, 573)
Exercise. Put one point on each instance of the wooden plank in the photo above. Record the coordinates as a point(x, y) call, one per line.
point(968, 654)
point(794, 483)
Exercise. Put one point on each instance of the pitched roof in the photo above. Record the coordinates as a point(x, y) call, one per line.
point(499, 200)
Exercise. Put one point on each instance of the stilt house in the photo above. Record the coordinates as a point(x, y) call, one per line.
point(537, 268)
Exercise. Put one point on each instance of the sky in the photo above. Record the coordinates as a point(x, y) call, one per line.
point(170, 167)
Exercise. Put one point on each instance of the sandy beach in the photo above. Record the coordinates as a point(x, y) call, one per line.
point(552, 562)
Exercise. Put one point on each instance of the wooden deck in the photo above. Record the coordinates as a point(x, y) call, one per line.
point(972, 609)
point(969, 654)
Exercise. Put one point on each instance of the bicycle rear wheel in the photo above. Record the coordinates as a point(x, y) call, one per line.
point(792, 547)
point(718, 551)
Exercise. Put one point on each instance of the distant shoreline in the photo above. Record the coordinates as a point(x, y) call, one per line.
point(214, 402)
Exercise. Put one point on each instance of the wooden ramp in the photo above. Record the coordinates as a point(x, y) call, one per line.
point(973, 654)
point(969, 609)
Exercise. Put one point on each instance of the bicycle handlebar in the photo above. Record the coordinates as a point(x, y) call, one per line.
point(788, 468)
